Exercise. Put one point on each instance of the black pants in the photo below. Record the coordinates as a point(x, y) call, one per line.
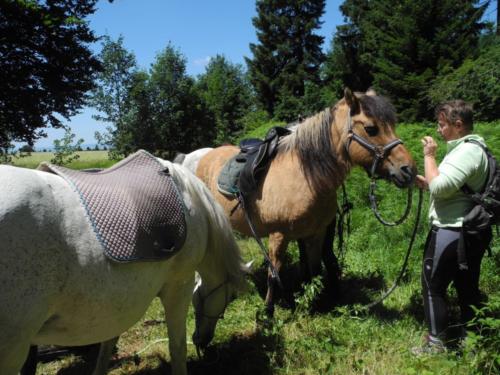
point(440, 268)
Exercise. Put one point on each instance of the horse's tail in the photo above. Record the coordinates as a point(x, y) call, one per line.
point(179, 158)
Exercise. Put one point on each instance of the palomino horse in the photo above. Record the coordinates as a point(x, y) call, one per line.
point(59, 288)
point(297, 198)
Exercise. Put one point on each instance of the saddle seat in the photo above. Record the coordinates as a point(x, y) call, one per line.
point(242, 173)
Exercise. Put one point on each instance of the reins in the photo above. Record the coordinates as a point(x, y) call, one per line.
point(407, 256)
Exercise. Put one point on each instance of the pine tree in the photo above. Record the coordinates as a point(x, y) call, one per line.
point(420, 40)
point(348, 61)
point(401, 46)
point(288, 54)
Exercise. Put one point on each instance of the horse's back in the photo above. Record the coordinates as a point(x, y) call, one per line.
point(210, 165)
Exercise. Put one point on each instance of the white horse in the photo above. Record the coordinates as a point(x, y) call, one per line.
point(58, 287)
point(190, 161)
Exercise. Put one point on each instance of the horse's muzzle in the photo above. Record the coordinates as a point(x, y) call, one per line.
point(403, 177)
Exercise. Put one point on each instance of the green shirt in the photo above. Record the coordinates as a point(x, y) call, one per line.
point(464, 163)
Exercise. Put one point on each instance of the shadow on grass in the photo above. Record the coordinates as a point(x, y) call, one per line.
point(243, 354)
point(354, 290)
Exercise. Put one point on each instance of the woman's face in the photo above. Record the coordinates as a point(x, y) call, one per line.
point(446, 129)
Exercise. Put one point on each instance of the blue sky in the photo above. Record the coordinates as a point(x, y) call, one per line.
point(200, 29)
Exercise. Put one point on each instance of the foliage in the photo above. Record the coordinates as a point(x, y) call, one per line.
point(179, 115)
point(113, 83)
point(26, 149)
point(423, 39)
point(46, 66)
point(159, 110)
point(476, 81)
point(348, 61)
point(306, 297)
point(227, 95)
point(287, 56)
point(65, 150)
point(482, 348)
point(400, 47)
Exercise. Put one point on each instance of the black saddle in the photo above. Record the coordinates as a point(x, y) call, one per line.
point(257, 154)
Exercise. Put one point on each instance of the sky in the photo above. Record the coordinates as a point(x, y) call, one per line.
point(199, 29)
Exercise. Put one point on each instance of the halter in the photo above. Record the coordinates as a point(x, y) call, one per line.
point(201, 314)
point(379, 154)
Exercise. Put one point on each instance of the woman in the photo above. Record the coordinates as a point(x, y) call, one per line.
point(444, 260)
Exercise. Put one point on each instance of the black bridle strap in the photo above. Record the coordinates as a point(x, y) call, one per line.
point(204, 298)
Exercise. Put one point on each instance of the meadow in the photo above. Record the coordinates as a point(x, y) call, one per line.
point(317, 332)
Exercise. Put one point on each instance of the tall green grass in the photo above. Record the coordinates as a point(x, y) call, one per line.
point(329, 335)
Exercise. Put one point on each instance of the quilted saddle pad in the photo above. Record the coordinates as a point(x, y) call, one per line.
point(134, 207)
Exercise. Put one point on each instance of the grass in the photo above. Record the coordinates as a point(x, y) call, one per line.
point(323, 335)
point(87, 159)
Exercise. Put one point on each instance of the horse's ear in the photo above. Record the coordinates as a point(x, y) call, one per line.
point(351, 101)
point(371, 92)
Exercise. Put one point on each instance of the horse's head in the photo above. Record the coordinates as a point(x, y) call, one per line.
point(210, 303)
point(368, 123)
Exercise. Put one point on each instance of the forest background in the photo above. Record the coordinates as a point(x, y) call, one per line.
point(417, 54)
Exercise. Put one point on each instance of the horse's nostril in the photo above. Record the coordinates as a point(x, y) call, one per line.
point(407, 171)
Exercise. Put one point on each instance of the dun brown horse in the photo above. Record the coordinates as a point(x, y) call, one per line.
point(297, 197)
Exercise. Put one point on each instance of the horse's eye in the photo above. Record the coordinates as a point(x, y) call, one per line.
point(371, 130)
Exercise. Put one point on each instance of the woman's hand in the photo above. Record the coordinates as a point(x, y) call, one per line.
point(430, 146)
point(421, 182)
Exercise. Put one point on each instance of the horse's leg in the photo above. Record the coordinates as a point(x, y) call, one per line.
point(313, 248)
point(29, 367)
point(105, 350)
point(330, 259)
point(277, 248)
point(13, 355)
point(175, 299)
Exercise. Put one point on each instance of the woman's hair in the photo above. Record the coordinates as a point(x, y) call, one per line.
point(456, 110)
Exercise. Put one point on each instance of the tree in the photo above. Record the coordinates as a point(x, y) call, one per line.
point(65, 150)
point(178, 113)
point(348, 62)
point(111, 94)
point(401, 46)
point(46, 67)
point(288, 54)
point(421, 40)
point(476, 81)
point(227, 94)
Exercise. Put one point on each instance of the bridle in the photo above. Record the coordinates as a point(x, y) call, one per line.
point(379, 153)
point(200, 313)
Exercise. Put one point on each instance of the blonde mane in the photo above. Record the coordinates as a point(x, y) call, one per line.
point(317, 145)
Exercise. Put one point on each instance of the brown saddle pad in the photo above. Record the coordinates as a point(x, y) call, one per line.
point(134, 207)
